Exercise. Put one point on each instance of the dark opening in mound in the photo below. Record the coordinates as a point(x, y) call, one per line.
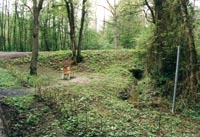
point(137, 73)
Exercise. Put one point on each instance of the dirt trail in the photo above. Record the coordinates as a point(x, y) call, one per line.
point(8, 55)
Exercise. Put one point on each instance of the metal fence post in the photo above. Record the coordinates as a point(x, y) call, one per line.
point(176, 79)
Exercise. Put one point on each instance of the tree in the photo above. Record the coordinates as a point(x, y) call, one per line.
point(76, 51)
point(2, 26)
point(114, 11)
point(173, 27)
point(126, 23)
point(92, 40)
point(16, 26)
point(131, 24)
point(80, 39)
point(70, 14)
point(37, 6)
point(191, 72)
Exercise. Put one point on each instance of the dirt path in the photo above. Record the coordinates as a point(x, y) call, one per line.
point(7, 55)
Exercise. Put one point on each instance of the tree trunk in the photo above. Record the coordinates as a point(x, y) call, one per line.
point(54, 35)
point(34, 59)
point(113, 10)
point(2, 36)
point(173, 28)
point(33, 67)
point(76, 51)
point(66, 37)
point(192, 79)
point(70, 15)
point(116, 32)
point(25, 35)
point(79, 57)
point(9, 32)
point(5, 23)
point(14, 36)
point(20, 31)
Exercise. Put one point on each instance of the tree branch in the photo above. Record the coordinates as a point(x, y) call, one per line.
point(30, 9)
point(146, 16)
point(40, 4)
point(152, 12)
point(104, 7)
point(112, 10)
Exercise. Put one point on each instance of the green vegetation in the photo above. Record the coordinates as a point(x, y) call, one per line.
point(7, 80)
point(97, 100)
point(123, 66)
point(33, 117)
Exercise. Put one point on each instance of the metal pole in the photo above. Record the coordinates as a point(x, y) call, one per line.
point(176, 79)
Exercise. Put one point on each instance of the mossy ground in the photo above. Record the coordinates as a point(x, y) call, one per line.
point(90, 104)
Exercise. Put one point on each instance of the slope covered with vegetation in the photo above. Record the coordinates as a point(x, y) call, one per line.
point(109, 95)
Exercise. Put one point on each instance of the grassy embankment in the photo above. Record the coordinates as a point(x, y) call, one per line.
point(95, 102)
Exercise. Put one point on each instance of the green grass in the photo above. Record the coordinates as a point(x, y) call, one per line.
point(20, 102)
point(93, 106)
point(7, 80)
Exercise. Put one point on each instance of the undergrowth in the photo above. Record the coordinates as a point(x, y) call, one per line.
point(34, 117)
point(94, 107)
point(7, 80)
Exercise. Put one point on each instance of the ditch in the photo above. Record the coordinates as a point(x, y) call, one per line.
point(3, 129)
